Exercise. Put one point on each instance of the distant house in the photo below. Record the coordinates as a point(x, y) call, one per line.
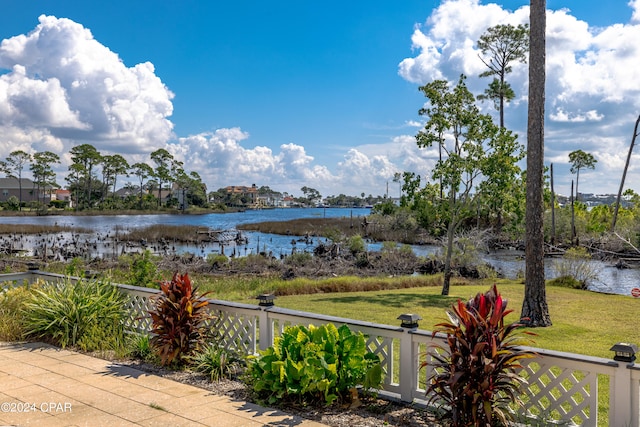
point(64, 195)
point(249, 193)
point(11, 187)
point(288, 201)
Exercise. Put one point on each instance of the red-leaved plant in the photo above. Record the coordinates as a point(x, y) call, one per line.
point(178, 319)
point(476, 377)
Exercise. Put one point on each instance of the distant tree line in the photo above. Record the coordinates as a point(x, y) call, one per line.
point(93, 177)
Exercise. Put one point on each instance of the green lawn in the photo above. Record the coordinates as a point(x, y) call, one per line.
point(583, 322)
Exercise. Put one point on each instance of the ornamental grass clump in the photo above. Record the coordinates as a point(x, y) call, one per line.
point(475, 378)
point(84, 314)
point(178, 320)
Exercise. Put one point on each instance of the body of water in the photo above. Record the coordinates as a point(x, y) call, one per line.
point(510, 263)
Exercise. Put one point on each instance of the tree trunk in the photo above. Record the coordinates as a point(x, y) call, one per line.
point(553, 209)
point(502, 100)
point(446, 282)
point(624, 175)
point(573, 218)
point(535, 311)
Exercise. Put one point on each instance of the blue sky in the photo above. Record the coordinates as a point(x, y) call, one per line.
point(294, 93)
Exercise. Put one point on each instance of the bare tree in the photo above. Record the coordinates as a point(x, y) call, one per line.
point(624, 175)
point(535, 311)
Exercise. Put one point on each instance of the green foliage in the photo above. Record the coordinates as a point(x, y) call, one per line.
point(566, 282)
point(385, 208)
point(217, 260)
point(217, 362)
point(139, 346)
point(143, 271)
point(86, 314)
point(356, 244)
point(12, 203)
point(476, 376)
point(178, 319)
point(314, 364)
point(298, 258)
point(75, 267)
point(12, 308)
point(576, 264)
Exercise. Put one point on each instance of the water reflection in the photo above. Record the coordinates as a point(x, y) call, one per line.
point(510, 263)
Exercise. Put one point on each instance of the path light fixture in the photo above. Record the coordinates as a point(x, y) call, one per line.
point(624, 352)
point(266, 300)
point(409, 320)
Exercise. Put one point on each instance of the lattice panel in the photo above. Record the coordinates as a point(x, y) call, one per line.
point(235, 332)
point(560, 393)
point(138, 319)
point(383, 347)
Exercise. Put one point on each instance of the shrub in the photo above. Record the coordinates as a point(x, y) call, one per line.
point(576, 264)
point(143, 271)
point(75, 267)
point(12, 306)
point(298, 259)
point(86, 314)
point(217, 362)
point(356, 244)
point(178, 319)
point(217, 260)
point(475, 378)
point(314, 364)
point(139, 346)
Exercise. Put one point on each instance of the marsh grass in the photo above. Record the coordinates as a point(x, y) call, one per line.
point(243, 288)
point(337, 228)
point(170, 233)
point(40, 229)
point(323, 227)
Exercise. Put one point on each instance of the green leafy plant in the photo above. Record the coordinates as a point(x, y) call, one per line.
point(139, 346)
point(315, 364)
point(12, 308)
point(217, 362)
point(178, 319)
point(143, 271)
point(75, 267)
point(475, 378)
point(86, 314)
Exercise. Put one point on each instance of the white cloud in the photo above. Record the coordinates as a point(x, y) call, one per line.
point(62, 85)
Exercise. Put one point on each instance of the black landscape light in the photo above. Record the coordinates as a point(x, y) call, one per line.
point(409, 320)
point(33, 266)
point(266, 300)
point(624, 352)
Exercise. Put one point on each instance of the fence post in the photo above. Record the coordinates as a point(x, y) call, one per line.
point(620, 395)
point(32, 268)
point(621, 391)
point(266, 325)
point(408, 357)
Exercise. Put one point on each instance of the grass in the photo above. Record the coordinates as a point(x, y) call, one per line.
point(584, 322)
point(32, 229)
point(176, 233)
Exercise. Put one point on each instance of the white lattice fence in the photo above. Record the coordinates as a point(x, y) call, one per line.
point(563, 387)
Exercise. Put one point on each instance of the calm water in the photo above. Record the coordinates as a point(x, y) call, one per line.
point(510, 263)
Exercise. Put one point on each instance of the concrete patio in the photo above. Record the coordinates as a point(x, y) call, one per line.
point(41, 385)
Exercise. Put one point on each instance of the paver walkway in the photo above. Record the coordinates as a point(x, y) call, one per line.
point(41, 385)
